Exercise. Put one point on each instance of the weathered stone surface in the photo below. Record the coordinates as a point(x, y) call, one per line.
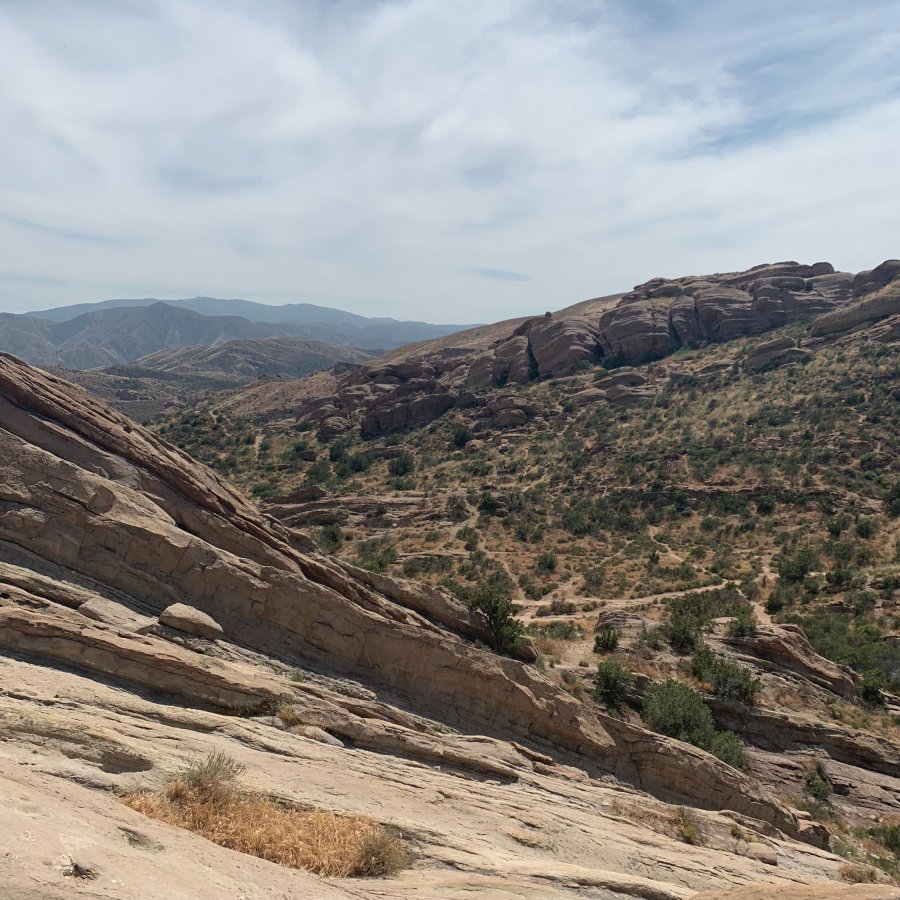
point(561, 346)
point(787, 646)
point(85, 734)
point(185, 618)
point(638, 331)
point(417, 402)
point(513, 361)
point(774, 354)
point(865, 311)
point(877, 278)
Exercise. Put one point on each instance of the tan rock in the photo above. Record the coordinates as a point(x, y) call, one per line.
point(185, 618)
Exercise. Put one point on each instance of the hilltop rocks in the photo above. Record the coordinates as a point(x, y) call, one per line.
point(865, 311)
point(637, 331)
point(561, 346)
point(649, 323)
point(877, 278)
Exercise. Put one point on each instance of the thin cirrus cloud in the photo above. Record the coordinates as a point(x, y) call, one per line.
point(454, 162)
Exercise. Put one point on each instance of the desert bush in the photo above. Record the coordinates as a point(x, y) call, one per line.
point(743, 624)
point(375, 555)
point(606, 640)
point(206, 798)
point(727, 679)
point(816, 785)
point(594, 579)
point(559, 631)
point(462, 434)
point(330, 538)
point(401, 465)
point(797, 566)
point(546, 561)
point(676, 710)
point(492, 597)
point(613, 684)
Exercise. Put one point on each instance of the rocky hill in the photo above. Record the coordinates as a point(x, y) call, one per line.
point(241, 361)
point(415, 385)
point(150, 614)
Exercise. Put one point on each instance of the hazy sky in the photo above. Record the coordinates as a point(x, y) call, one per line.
point(449, 161)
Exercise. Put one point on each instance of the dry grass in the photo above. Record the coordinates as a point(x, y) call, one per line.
point(858, 874)
point(205, 799)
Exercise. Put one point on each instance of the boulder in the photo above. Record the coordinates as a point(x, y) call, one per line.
point(874, 280)
point(185, 618)
point(772, 354)
point(638, 331)
point(562, 346)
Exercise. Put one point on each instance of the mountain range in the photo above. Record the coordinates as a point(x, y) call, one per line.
point(112, 332)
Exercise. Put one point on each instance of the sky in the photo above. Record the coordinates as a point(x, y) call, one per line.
point(448, 162)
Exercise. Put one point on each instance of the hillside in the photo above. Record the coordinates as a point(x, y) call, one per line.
point(241, 361)
point(151, 615)
point(722, 512)
point(597, 612)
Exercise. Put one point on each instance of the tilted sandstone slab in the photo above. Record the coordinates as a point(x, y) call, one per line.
point(88, 492)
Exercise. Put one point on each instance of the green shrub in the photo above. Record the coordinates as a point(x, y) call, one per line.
point(729, 680)
point(401, 465)
point(546, 561)
point(330, 538)
point(816, 785)
point(375, 555)
point(606, 640)
point(492, 597)
point(613, 683)
point(462, 434)
point(743, 624)
point(795, 568)
point(676, 710)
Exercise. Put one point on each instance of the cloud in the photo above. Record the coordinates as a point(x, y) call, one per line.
point(377, 155)
point(498, 274)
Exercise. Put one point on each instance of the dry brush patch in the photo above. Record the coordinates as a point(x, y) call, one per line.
point(206, 798)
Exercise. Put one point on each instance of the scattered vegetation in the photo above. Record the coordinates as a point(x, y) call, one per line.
point(206, 798)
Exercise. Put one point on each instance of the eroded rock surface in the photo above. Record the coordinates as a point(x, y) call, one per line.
point(649, 323)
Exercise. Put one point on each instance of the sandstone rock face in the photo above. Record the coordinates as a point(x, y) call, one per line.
point(418, 402)
point(638, 331)
point(88, 498)
point(789, 647)
point(874, 280)
point(649, 323)
point(869, 310)
point(185, 618)
point(773, 354)
point(560, 346)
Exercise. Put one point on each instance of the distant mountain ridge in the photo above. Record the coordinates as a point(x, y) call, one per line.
point(323, 323)
point(113, 332)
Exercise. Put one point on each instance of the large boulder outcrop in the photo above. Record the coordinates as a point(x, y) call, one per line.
point(638, 331)
point(562, 346)
point(867, 311)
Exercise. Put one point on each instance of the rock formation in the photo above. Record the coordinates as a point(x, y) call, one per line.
point(651, 322)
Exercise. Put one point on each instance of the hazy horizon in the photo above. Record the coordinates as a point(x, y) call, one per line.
point(438, 163)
